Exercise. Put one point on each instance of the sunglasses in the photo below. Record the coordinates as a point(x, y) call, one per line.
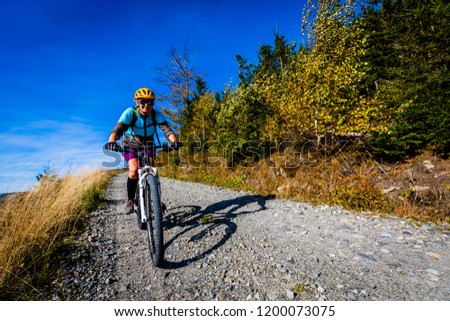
point(146, 101)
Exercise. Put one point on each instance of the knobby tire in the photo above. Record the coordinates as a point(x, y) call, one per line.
point(154, 221)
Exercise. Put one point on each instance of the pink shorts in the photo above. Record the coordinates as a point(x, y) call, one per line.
point(133, 153)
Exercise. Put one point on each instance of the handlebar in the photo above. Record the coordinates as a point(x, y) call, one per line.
point(125, 149)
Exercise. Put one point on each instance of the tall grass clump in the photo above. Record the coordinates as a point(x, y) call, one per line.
point(36, 226)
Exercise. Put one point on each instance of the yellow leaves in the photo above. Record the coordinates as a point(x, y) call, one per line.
point(321, 89)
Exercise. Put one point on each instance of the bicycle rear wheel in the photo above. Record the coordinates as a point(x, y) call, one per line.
point(154, 221)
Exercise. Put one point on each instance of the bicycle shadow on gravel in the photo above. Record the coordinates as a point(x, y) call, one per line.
point(209, 221)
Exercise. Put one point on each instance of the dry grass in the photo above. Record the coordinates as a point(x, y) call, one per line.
point(350, 180)
point(35, 226)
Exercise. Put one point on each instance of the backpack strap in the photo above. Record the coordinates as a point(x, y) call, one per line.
point(153, 114)
point(135, 117)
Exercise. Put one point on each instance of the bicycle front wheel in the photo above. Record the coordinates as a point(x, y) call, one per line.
point(154, 222)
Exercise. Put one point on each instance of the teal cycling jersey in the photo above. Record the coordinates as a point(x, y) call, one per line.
point(143, 128)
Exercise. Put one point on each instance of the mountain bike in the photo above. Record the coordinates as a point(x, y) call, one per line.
point(148, 206)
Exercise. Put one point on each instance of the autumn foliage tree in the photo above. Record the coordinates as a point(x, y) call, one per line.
point(376, 70)
point(321, 90)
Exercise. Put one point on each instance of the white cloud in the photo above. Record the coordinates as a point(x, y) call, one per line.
point(64, 146)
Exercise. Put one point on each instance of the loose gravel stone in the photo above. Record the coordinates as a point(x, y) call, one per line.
point(253, 248)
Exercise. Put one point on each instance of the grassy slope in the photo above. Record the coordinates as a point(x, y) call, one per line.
point(38, 225)
point(351, 181)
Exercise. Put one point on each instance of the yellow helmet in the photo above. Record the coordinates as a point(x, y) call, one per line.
point(144, 93)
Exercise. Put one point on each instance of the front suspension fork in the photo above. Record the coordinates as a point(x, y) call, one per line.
point(143, 173)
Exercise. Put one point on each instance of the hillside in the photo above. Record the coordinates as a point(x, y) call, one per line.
point(417, 189)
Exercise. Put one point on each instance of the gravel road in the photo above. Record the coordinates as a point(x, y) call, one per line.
point(255, 248)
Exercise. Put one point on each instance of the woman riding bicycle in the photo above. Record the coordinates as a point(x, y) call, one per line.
point(138, 125)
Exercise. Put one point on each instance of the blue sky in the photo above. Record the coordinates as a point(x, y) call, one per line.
point(69, 68)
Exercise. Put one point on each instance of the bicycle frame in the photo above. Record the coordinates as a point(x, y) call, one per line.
point(143, 171)
point(149, 213)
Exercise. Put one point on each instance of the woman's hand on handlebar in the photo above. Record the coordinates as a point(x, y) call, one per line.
point(175, 145)
point(112, 146)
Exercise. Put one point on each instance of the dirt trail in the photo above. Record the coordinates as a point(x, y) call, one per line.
point(258, 248)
